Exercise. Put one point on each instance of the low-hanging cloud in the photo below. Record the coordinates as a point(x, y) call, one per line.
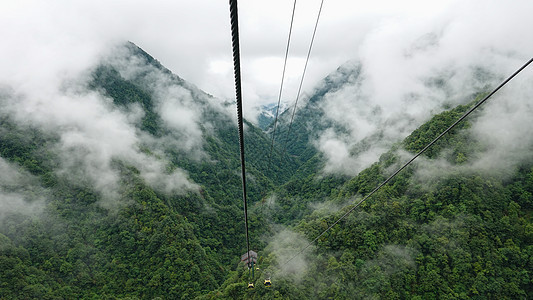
point(413, 65)
point(413, 68)
point(93, 133)
point(20, 192)
point(504, 127)
point(285, 245)
point(179, 104)
point(500, 132)
point(49, 52)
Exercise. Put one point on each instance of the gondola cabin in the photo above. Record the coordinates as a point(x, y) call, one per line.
point(268, 283)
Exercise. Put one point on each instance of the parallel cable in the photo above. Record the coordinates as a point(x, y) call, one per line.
point(282, 80)
point(238, 94)
point(412, 159)
point(303, 76)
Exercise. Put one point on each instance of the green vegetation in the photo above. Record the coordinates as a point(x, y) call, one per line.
point(453, 234)
point(151, 244)
point(458, 235)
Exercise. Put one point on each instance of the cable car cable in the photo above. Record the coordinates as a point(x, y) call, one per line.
point(238, 93)
point(412, 159)
point(282, 81)
point(302, 79)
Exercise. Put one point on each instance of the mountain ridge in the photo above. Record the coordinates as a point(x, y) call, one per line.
point(172, 225)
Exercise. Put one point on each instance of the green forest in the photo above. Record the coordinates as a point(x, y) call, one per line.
point(431, 233)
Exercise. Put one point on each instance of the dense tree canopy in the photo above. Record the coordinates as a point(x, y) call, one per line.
point(431, 233)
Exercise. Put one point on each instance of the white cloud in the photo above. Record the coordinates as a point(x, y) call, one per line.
point(285, 245)
point(400, 46)
point(93, 133)
point(402, 57)
point(190, 37)
point(500, 134)
point(505, 127)
point(20, 192)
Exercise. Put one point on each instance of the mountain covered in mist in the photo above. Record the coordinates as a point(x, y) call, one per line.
point(443, 228)
point(267, 114)
point(132, 183)
point(124, 182)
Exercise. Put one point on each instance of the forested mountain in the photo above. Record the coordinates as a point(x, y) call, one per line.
point(433, 232)
point(127, 185)
point(267, 114)
point(150, 236)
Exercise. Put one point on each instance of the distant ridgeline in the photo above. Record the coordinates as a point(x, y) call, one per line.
point(463, 234)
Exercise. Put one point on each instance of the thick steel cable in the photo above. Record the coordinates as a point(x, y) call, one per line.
point(282, 81)
point(303, 77)
point(238, 93)
point(412, 159)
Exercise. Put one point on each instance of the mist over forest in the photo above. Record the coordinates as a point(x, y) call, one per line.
point(120, 179)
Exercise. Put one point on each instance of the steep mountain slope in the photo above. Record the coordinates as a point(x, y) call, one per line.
point(125, 183)
point(160, 216)
point(441, 229)
point(350, 118)
point(267, 114)
point(309, 118)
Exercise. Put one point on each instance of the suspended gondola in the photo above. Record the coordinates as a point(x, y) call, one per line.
point(267, 282)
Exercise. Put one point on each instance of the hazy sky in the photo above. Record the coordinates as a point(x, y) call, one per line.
point(45, 43)
point(192, 38)
point(47, 46)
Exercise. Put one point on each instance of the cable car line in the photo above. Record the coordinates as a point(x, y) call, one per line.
point(412, 159)
point(238, 93)
point(302, 79)
point(282, 81)
point(236, 61)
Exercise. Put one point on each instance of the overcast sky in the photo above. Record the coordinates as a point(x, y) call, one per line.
point(192, 38)
point(45, 46)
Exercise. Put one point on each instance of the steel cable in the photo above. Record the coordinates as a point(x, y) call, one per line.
point(412, 159)
point(282, 81)
point(238, 94)
point(303, 77)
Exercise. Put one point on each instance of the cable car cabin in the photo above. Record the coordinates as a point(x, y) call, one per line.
point(251, 285)
point(268, 283)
